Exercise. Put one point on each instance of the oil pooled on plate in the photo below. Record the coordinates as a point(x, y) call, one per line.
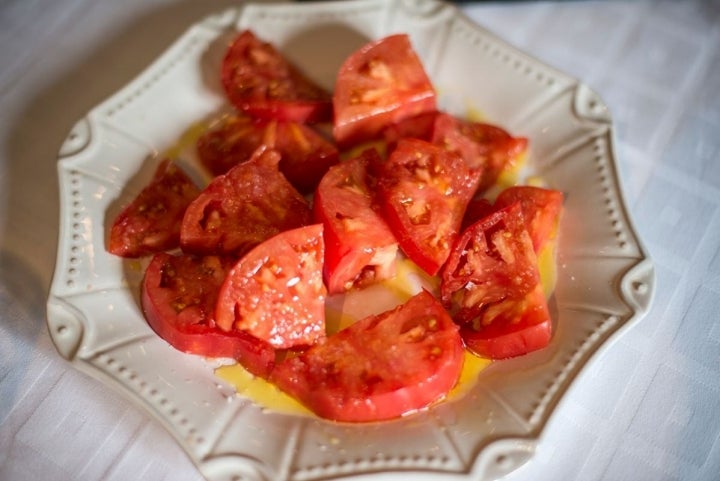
point(342, 310)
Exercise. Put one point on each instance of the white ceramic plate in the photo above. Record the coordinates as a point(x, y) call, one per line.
point(605, 279)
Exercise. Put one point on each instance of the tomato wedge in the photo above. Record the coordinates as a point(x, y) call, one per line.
point(230, 142)
point(276, 292)
point(238, 210)
point(541, 210)
point(380, 84)
point(260, 81)
point(360, 248)
point(151, 222)
point(305, 154)
point(492, 260)
point(511, 327)
point(477, 209)
point(484, 147)
point(380, 367)
point(424, 191)
point(178, 300)
point(417, 127)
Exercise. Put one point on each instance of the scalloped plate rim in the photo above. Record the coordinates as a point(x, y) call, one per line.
point(478, 466)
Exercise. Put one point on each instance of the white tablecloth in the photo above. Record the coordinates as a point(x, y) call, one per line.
point(647, 408)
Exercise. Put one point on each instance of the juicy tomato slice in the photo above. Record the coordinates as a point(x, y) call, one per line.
point(492, 260)
point(380, 84)
point(417, 127)
point(424, 191)
point(276, 292)
point(511, 327)
point(484, 147)
point(230, 142)
point(151, 222)
point(478, 208)
point(178, 299)
point(247, 205)
point(380, 367)
point(360, 248)
point(541, 209)
point(260, 81)
point(305, 154)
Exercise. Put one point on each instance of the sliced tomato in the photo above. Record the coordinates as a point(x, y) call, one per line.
point(360, 248)
point(541, 209)
point(276, 292)
point(484, 147)
point(380, 367)
point(229, 142)
point(378, 85)
point(178, 299)
point(305, 154)
point(417, 127)
point(477, 209)
point(493, 260)
point(238, 210)
point(260, 81)
point(151, 222)
point(424, 191)
point(511, 327)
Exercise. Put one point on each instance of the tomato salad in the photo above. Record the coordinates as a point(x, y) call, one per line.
point(243, 267)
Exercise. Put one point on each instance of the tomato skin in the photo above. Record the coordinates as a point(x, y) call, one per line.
point(151, 222)
point(276, 292)
point(178, 300)
point(541, 209)
point(483, 146)
point(424, 191)
point(380, 84)
point(510, 328)
point(258, 80)
point(360, 248)
point(492, 260)
point(380, 367)
point(247, 205)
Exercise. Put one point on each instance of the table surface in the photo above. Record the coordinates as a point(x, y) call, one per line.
point(646, 408)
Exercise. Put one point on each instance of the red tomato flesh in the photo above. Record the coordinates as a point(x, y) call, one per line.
point(260, 81)
point(416, 127)
point(378, 85)
point(484, 147)
point(493, 260)
point(424, 191)
point(511, 327)
point(238, 210)
point(360, 248)
point(305, 155)
point(230, 142)
point(379, 368)
point(151, 222)
point(276, 292)
point(477, 209)
point(541, 210)
point(178, 299)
